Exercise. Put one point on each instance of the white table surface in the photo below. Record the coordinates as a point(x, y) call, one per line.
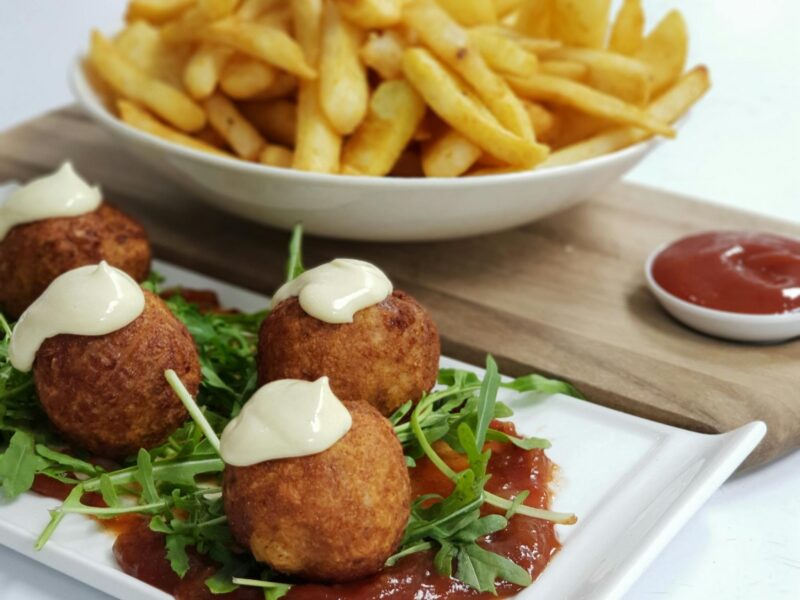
point(738, 148)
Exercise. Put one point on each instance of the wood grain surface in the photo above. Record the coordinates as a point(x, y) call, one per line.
point(564, 296)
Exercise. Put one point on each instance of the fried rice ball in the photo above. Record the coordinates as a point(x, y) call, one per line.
point(32, 255)
point(107, 394)
point(388, 355)
point(334, 516)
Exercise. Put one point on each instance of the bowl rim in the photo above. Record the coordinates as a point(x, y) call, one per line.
point(88, 99)
point(705, 312)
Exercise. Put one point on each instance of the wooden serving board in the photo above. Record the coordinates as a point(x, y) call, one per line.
point(564, 296)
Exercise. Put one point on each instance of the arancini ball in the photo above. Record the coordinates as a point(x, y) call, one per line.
point(387, 356)
point(107, 394)
point(33, 254)
point(333, 516)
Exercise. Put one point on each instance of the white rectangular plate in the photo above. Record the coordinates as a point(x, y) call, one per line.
point(633, 484)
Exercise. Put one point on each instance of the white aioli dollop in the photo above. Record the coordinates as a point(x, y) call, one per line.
point(284, 419)
point(91, 300)
point(335, 291)
point(61, 194)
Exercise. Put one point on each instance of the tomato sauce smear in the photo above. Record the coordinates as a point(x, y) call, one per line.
point(529, 542)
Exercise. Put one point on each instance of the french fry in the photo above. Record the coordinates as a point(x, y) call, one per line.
point(567, 69)
point(284, 85)
point(276, 156)
point(141, 119)
point(621, 76)
point(448, 98)
point(317, 145)
point(395, 111)
point(470, 12)
point(343, 79)
point(371, 14)
point(141, 43)
point(156, 11)
point(628, 27)
point(504, 8)
point(246, 77)
point(259, 41)
point(580, 22)
point(449, 155)
point(450, 42)
point(503, 54)
point(202, 72)
point(210, 136)
point(545, 122)
point(575, 125)
point(195, 19)
point(668, 107)
point(534, 18)
point(275, 119)
point(280, 18)
point(239, 133)
point(588, 100)
point(664, 50)
point(128, 81)
point(250, 10)
point(383, 52)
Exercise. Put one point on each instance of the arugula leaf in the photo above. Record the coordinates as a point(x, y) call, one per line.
point(294, 264)
point(480, 569)
point(19, 464)
point(176, 552)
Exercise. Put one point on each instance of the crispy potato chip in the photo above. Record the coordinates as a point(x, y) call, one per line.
point(317, 145)
point(343, 87)
point(275, 119)
point(138, 117)
point(502, 53)
point(580, 22)
point(371, 14)
point(621, 76)
point(202, 72)
point(668, 107)
point(395, 111)
point(449, 155)
point(446, 95)
point(664, 50)
point(128, 81)
point(246, 77)
point(450, 42)
point(588, 100)
point(627, 31)
point(239, 133)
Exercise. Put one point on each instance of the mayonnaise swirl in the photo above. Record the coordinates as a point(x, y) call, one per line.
point(91, 300)
point(335, 291)
point(285, 419)
point(61, 194)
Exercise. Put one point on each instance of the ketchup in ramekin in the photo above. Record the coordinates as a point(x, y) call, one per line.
point(734, 271)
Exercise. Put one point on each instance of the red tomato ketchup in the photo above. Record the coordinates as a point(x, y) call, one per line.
point(741, 272)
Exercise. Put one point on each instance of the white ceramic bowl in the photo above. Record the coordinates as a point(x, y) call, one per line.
point(365, 208)
point(741, 327)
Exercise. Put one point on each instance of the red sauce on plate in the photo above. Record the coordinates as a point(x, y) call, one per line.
point(741, 272)
point(529, 542)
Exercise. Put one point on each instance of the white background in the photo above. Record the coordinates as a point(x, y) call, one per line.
point(739, 148)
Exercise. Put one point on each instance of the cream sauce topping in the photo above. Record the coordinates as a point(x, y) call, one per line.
point(335, 291)
point(61, 194)
point(284, 419)
point(91, 300)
